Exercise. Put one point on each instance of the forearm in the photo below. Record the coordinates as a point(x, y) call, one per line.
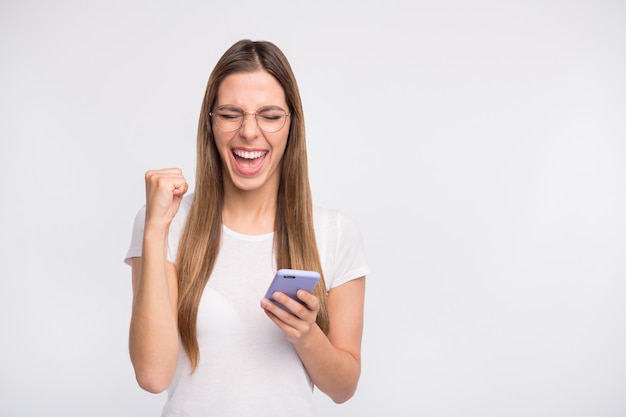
point(153, 340)
point(334, 371)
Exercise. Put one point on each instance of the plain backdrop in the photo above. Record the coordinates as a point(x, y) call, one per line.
point(480, 145)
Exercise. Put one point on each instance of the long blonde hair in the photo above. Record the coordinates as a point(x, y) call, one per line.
point(294, 237)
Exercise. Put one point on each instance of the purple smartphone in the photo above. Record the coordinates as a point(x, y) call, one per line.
point(289, 281)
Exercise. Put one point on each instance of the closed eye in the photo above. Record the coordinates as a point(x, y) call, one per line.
point(229, 116)
point(271, 117)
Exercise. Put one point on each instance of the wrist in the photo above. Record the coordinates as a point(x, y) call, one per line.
point(155, 237)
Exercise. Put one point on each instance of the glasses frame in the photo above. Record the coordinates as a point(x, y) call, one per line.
point(243, 118)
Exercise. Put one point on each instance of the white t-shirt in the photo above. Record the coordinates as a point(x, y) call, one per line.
point(247, 367)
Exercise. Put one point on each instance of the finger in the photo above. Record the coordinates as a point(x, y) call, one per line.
point(286, 301)
point(164, 191)
point(181, 188)
point(175, 171)
point(292, 327)
point(311, 301)
point(170, 179)
point(298, 312)
point(278, 314)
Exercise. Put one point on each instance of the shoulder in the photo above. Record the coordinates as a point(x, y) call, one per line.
point(340, 246)
point(323, 215)
point(332, 220)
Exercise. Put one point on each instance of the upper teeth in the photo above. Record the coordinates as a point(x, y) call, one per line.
point(249, 155)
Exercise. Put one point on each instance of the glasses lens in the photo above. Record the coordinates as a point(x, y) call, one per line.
point(228, 118)
point(271, 119)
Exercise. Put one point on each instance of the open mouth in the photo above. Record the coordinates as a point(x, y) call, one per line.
point(249, 160)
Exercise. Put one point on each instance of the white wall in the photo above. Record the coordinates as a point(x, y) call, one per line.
point(480, 145)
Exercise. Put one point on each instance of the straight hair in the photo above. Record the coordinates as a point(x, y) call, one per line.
point(294, 242)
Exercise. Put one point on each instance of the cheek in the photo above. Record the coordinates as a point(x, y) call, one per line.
point(279, 142)
point(279, 147)
point(221, 142)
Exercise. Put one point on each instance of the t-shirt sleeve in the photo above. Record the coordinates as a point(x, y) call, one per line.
point(342, 249)
point(136, 239)
point(175, 230)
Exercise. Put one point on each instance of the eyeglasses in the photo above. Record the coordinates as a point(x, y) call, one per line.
point(229, 118)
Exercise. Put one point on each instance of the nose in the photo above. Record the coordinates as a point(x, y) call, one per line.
point(250, 128)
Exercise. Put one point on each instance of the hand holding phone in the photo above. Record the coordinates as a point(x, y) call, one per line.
point(289, 281)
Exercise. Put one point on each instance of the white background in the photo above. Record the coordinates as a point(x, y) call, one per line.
point(481, 146)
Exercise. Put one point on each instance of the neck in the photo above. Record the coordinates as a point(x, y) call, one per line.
point(249, 212)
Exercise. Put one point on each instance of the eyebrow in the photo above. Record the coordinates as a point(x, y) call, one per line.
point(267, 106)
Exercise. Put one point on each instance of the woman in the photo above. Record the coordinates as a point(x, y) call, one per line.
point(202, 261)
